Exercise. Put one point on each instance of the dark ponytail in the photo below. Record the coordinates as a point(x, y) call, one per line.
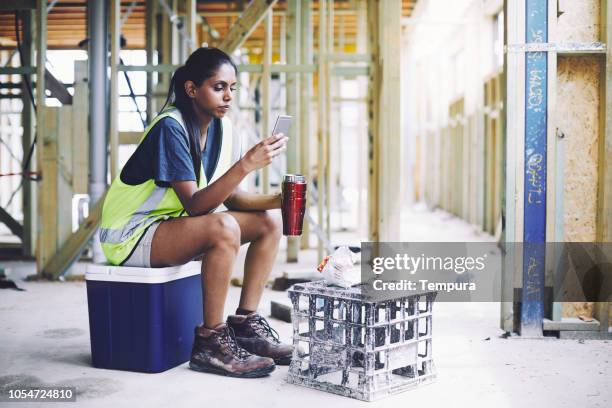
point(201, 65)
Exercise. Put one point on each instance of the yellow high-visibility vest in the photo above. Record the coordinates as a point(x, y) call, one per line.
point(129, 210)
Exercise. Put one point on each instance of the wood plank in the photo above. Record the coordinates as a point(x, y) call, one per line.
point(292, 87)
point(604, 202)
point(63, 215)
point(514, 99)
point(388, 137)
point(246, 23)
point(190, 22)
point(80, 131)
point(322, 133)
point(29, 198)
point(327, 193)
point(57, 89)
point(129, 137)
point(373, 114)
point(305, 103)
point(41, 48)
point(48, 199)
point(570, 323)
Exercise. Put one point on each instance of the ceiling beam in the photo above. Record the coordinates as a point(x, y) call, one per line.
point(246, 24)
point(12, 5)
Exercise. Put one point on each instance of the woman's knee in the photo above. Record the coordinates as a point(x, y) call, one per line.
point(271, 224)
point(226, 231)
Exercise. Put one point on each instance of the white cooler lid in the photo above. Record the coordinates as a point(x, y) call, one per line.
point(111, 273)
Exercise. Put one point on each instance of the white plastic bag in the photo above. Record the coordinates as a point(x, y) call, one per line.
point(339, 268)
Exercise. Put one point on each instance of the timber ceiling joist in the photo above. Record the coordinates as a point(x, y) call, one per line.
point(67, 22)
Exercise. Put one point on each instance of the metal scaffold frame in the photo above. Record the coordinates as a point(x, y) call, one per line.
point(299, 69)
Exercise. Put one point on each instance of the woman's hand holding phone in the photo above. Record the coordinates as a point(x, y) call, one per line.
point(262, 153)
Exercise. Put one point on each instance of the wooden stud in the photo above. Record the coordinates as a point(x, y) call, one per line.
point(80, 131)
point(373, 115)
point(41, 48)
point(165, 48)
point(293, 22)
point(48, 203)
point(387, 139)
point(322, 119)
point(329, 134)
point(604, 208)
point(63, 216)
point(126, 138)
point(514, 66)
point(265, 96)
point(604, 202)
point(191, 15)
point(29, 197)
point(305, 103)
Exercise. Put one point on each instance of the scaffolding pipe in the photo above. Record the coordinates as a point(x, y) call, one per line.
point(149, 45)
point(265, 94)
point(98, 105)
point(113, 137)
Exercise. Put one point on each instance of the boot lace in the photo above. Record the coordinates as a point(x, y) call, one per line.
point(262, 327)
point(228, 338)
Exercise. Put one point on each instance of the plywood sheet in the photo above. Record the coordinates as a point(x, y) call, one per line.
point(579, 21)
point(578, 98)
point(576, 309)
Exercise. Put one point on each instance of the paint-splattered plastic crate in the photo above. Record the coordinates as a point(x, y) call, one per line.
point(348, 343)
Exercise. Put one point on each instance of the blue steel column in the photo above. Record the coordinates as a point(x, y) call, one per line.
point(534, 224)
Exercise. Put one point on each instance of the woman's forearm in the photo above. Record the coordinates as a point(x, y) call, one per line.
point(244, 201)
point(225, 189)
point(210, 197)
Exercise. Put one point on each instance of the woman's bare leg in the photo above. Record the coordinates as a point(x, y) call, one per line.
point(263, 229)
point(180, 240)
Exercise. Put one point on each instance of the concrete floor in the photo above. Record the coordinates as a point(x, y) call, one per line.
point(44, 340)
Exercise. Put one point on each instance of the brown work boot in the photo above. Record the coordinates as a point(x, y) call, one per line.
point(255, 335)
point(216, 351)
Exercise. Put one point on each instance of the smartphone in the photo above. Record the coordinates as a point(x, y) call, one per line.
point(282, 125)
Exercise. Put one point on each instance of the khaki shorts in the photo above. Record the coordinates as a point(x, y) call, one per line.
point(141, 256)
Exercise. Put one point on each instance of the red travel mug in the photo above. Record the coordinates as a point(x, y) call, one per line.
point(293, 203)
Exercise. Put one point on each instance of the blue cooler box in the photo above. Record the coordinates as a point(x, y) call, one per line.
point(143, 319)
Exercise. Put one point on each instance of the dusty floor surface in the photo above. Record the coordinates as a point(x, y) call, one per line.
point(44, 340)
